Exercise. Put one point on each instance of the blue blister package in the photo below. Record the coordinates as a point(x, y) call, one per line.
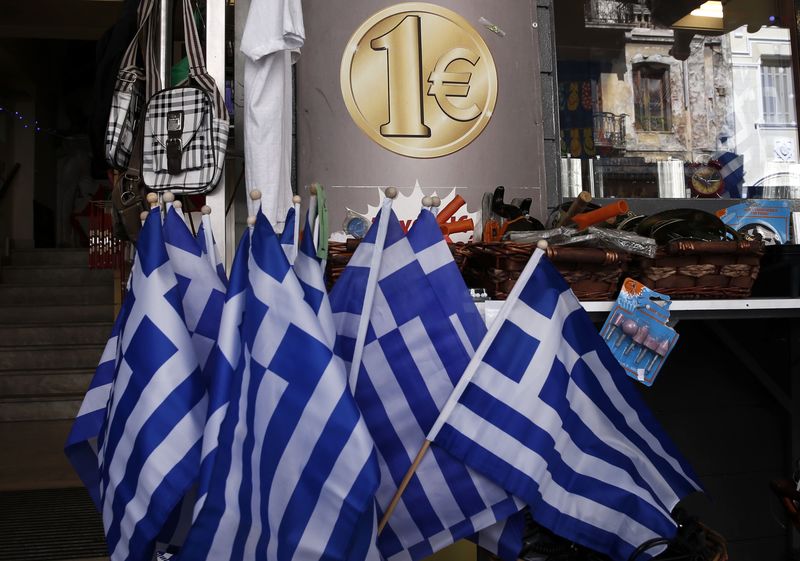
point(637, 333)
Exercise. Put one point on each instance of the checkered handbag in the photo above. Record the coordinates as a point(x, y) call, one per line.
point(186, 127)
point(127, 101)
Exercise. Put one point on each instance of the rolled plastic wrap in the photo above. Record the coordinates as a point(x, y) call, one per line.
point(612, 210)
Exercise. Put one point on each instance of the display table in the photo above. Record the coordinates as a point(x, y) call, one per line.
point(689, 309)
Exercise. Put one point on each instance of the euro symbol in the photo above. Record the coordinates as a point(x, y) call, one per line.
point(444, 84)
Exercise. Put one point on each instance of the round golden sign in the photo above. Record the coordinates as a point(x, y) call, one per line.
point(419, 80)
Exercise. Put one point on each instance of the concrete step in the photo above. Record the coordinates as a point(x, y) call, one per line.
point(44, 383)
point(32, 274)
point(50, 356)
point(33, 455)
point(65, 313)
point(95, 333)
point(26, 295)
point(65, 257)
point(16, 409)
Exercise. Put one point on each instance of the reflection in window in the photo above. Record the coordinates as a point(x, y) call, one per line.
point(652, 98)
point(777, 93)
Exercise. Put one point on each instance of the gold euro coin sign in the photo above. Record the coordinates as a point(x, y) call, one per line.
point(419, 80)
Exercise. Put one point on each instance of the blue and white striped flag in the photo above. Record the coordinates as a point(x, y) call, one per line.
point(225, 364)
point(545, 410)
point(295, 470)
point(201, 290)
point(287, 236)
point(307, 267)
point(149, 449)
point(205, 237)
point(415, 351)
point(81, 445)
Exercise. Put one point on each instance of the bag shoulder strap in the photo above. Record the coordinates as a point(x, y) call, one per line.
point(197, 62)
point(145, 11)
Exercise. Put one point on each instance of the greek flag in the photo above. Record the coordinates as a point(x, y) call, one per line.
point(225, 364)
point(200, 288)
point(287, 236)
point(295, 470)
point(149, 447)
point(416, 350)
point(732, 172)
point(205, 237)
point(307, 267)
point(546, 411)
point(81, 445)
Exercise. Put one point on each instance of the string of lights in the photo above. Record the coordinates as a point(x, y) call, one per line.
point(30, 124)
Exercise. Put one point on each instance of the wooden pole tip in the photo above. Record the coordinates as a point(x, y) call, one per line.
point(391, 192)
point(177, 204)
point(255, 195)
point(313, 189)
point(152, 198)
point(143, 215)
point(205, 209)
point(251, 220)
point(169, 197)
point(296, 199)
point(436, 201)
point(542, 244)
point(427, 202)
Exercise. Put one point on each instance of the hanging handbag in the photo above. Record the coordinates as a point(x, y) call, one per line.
point(127, 101)
point(186, 127)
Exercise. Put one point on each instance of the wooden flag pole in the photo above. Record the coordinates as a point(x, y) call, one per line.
point(296, 200)
point(372, 285)
point(403, 484)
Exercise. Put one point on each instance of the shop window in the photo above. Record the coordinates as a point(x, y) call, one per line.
point(777, 91)
point(652, 98)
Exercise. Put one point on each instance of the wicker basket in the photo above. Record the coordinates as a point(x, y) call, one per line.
point(690, 269)
point(592, 273)
point(339, 254)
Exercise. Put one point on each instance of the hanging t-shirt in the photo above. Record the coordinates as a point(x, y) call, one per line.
point(271, 42)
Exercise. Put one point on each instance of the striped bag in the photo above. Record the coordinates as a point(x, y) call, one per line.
point(186, 127)
point(127, 101)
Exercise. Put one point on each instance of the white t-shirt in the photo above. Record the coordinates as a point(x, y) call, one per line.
point(271, 42)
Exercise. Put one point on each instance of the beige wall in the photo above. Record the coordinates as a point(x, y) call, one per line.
point(335, 152)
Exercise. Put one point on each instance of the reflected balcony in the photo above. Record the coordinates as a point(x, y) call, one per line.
point(609, 133)
point(616, 14)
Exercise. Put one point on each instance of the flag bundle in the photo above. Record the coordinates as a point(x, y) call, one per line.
point(419, 341)
point(295, 469)
point(226, 407)
point(546, 411)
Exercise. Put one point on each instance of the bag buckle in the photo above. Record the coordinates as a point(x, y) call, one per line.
point(174, 144)
point(127, 194)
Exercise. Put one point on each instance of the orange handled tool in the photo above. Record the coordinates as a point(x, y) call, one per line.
point(452, 207)
point(577, 206)
point(586, 219)
point(457, 227)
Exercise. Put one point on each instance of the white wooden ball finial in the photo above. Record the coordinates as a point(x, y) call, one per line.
point(178, 205)
point(169, 197)
point(313, 189)
point(251, 220)
point(427, 202)
point(152, 198)
point(542, 244)
point(143, 215)
point(391, 192)
point(205, 209)
point(436, 201)
point(255, 195)
point(296, 199)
